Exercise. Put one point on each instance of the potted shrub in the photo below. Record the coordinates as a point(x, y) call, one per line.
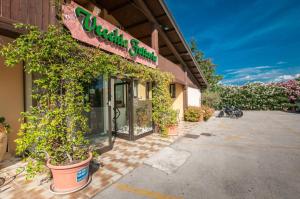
point(172, 123)
point(53, 135)
point(4, 129)
point(168, 123)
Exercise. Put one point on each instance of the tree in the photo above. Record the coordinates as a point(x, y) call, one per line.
point(206, 65)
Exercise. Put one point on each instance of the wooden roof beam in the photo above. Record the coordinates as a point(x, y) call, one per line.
point(136, 24)
point(163, 46)
point(143, 37)
point(168, 55)
point(152, 19)
point(162, 3)
point(161, 16)
point(118, 8)
point(164, 36)
point(183, 54)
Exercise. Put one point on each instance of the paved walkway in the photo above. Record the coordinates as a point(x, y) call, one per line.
point(257, 156)
point(125, 157)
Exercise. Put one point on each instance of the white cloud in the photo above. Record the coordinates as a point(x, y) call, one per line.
point(281, 62)
point(247, 70)
point(286, 77)
point(263, 67)
point(263, 73)
point(251, 78)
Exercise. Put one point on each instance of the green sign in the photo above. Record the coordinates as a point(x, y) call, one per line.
point(90, 25)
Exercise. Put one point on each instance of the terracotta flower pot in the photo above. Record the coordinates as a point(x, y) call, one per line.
point(70, 178)
point(3, 145)
point(172, 130)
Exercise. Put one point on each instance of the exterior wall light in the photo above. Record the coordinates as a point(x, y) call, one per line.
point(164, 27)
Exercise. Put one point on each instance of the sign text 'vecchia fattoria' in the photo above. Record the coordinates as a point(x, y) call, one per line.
point(100, 33)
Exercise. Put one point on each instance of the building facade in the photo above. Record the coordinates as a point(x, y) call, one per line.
point(141, 31)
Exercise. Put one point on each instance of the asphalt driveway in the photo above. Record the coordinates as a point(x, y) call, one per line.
point(257, 156)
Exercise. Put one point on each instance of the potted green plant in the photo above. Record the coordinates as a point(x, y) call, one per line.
point(172, 122)
point(53, 132)
point(4, 129)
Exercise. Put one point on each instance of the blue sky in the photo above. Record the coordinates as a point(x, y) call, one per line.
point(256, 40)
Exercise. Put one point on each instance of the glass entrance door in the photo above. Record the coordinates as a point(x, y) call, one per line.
point(142, 109)
point(132, 108)
point(121, 108)
point(97, 94)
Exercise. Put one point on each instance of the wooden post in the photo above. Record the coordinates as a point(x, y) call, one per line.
point(53, 10)
point(185, 89)
point(154, 39)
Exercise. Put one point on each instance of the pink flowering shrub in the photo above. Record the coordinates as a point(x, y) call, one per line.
point(254, 96)
point(292, 89)
point(260, 96)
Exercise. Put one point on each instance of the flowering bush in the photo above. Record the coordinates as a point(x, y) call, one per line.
point(292, 89)
point(197, 114)
point(207, 112)
point(193, 114)
point(254, 96)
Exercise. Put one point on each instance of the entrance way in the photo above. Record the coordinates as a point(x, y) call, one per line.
point(118, 107)
point(121, 108)
point(132, 108)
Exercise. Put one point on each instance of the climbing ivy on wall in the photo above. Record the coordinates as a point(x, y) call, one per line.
point(114, 65)
point(56, 126)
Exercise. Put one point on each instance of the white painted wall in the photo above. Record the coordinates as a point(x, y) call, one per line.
point(194, 97)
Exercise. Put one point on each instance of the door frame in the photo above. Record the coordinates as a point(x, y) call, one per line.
point(129, 106)
point(109, 115)
point(130, 110)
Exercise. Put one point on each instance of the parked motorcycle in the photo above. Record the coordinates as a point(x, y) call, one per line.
point(231, 112)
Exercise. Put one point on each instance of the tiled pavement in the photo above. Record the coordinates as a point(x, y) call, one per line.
point(122, 159)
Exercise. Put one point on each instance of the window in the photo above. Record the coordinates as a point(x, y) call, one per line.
point(120, 95)
point(148, 88)
point(173, 90)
